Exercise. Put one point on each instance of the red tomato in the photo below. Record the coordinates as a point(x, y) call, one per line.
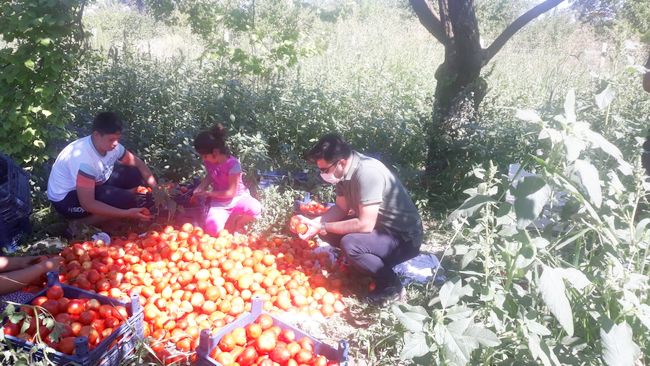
point(248, 357)
point(280, 355)
point(87, 317)
point(266, 341)
point(54, 293)
point(66, 345)
point(304, 356)
point(75, 307)
point(52, 306)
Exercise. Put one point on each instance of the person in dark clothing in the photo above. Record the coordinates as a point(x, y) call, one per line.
point(374, 220)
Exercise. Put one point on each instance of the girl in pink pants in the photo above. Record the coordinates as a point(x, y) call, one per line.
point(231, 205)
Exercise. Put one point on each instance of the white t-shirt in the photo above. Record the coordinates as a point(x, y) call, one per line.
point(80, 157)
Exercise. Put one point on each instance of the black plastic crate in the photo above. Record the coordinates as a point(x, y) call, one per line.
point(208, 342)
point(15, 200)
point(114, 350)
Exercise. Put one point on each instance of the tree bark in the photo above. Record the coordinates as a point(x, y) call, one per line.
point(460, 88)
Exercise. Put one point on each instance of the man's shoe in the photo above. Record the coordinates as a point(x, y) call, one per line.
point(387, 294)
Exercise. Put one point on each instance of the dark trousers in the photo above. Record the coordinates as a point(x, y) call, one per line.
point(374, 253)
point(116, 192)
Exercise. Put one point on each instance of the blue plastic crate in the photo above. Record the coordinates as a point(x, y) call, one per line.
point(207, 343)
point(15, 200)
point(307, 199)
point(126, 335)
point(274, 178)
point(11, 234)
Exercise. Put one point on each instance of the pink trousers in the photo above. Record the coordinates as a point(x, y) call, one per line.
point(220, 212)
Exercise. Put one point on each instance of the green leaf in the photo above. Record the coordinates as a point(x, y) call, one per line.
point(30, 64)
point(531, 194)
point(551, 286)
point(590, 180)
point(619, 348)
point(539, 350)
point(470, 206)
point(576, 278)
point(413, 322)
point(415, 345)
point(451, 292)
point(46, 113)
point(605, 98)
point(570, 106)
point(45, 41)
point(483, 335)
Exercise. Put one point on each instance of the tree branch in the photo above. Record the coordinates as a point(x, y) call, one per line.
point(515, 26)
point(429, 19)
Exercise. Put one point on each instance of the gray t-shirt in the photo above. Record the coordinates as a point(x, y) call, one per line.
point(367, 182)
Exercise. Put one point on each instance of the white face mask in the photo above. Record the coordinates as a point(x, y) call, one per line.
point(330, 178)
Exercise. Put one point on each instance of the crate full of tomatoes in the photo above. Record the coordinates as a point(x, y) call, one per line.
point(80, 327)
point(258, 338)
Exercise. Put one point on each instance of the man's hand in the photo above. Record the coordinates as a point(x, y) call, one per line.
point(313, 227)
point(139, 213)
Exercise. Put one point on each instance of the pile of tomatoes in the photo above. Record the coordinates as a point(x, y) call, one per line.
point(75, 318)
point(313, 208)
point(264, 344)
point(189, 280)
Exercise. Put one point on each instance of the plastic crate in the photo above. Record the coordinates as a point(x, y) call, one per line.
point(271, 178)
point(207, 343)
point(307, 199)
point(126, 335)
point(11, 234)
point(15, 200)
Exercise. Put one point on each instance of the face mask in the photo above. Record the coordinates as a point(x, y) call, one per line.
point(330, 178)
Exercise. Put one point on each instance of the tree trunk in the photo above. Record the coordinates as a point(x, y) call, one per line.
point(460, 88)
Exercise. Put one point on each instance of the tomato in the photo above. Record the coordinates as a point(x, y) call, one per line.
point(75, 307)
point(227, 343)
point(280, 355)
point(11, 329)
point(54, 293)
point(264, 362)
point(111, 322)
point(105, 311)
point(248, 357)
point(39, 300)
point(93, 304)
point(320, 361)
point(66, 345)
point(91, 333)
point(88, 317)
point(304, 356)
point(306, 343)
point(265, 321)
point(266, 341)
point(52, 306)
point(253, 330)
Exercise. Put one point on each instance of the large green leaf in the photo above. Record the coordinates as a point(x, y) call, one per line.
point(590, 180)
point(570, 106)
point(551, 286)
point(619, 348)
point(452, 291)
point(605, 98)
point(415, 345)
point(412, 321)
point(531, 194)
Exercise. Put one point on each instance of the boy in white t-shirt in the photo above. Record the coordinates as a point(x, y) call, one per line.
point(86, 183)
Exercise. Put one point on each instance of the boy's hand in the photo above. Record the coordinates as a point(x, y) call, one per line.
point(139, 213)
point(51, 264)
